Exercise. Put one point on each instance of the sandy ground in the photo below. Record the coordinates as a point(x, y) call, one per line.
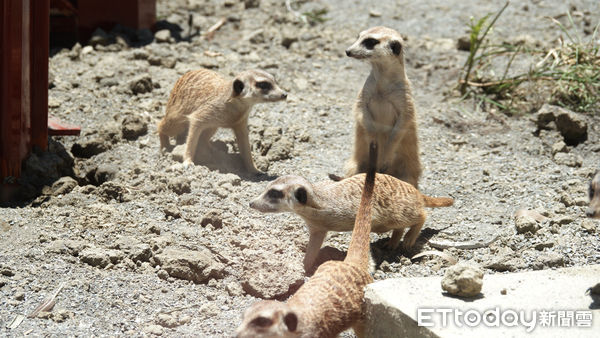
point(142, 246)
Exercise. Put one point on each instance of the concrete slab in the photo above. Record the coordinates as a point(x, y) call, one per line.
point(549, 303)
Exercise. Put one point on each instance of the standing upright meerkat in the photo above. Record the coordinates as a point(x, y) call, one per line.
point(331, 206)
point(384, 110)
point(202, 101)
point(593, 210)
point(332, 299)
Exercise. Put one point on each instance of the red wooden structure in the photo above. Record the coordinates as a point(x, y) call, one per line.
point(23, 81)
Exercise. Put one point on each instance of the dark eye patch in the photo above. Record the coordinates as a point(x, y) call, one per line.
point(274, 193)
point(264, 85)
point(262, 322)
point(370, 43)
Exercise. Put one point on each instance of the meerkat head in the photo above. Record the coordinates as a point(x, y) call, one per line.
point(268, 318)
point(593, 210)
point(378, 44)
point(257, 86)
point(286, 193)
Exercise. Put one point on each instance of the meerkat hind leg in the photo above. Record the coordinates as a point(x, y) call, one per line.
point(191, 143)
point(413, 233)
point(395, 239)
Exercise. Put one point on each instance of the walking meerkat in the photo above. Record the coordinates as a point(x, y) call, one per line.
point(331, 206)
point(593, 210)
point(202, 101)
point(332, 299)
point(384, 110)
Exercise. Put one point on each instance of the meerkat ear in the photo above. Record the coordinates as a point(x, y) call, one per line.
point(396, 47)
point(291, 321)
point(238, 86)
point(301, 195)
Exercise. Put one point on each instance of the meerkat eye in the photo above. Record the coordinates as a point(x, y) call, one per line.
point(396, 47)
point(274, 193)
point(370, 43)
point(262, 322)
point(291, 321)
point(264, 85)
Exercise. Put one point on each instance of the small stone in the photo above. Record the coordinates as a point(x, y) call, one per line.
point(162, 274)
point(102, 173)
point(185, 319)
point(153, 329)
point(99, 37)
point(168, 63)
point(96, 257)
point(133, 127)
point(232, 179)
point(570, 160)
point(195, 266)
point(141, 84)
point(566, 199)
point(166, 320)
point(251, 3)
point(20, 295)
point(503, 292)
point(54, 102)
point(464, 43)
point(552, 259)
point(525, 224)
point(374, 13)
point(588, 226)
point(63, 186)
point(267, 276)
point(180, 185)
point(163, 35)
point(212, 217)
point(559, 147)
point(172, 211)
point(112, 191)
point(463, 280)
point(234, 289)
point(543, 245)
point(563, 220)
point(140, 54)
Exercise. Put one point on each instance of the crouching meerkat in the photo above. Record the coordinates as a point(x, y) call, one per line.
point(593, 210)
point(331, 206)
point(384, 110)
point(202, 101)
point(332, 299)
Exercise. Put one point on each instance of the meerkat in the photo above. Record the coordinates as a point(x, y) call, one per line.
point(202, 101)
point(332, 299)
point(384, 111)
point(593, 210)
point(331, 206)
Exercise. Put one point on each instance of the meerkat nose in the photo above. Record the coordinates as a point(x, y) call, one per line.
point(590, 213)
point(348, 52)
point(284, 95)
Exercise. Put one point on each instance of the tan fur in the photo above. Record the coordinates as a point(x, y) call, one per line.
point(202, 101)
point(384, 110)
point(593, 210)
point(331, 206)
point(331, 301)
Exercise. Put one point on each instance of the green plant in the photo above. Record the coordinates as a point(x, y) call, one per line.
point(570, 72)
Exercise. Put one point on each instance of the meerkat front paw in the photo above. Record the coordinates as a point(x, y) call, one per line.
point(188, 164)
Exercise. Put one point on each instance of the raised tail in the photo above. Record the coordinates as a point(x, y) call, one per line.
point(435, 202)
point(358, 250)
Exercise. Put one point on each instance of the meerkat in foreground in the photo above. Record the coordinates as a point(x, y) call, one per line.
point(331, 206)
point(202, 101)
point(384, 110)
point(332, 299)
point(593, 210)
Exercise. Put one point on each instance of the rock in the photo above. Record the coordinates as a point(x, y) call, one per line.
point(58, 316)
point(570, 160)
point(281, 150)
point(464, 43)
point(172, 211)
point(588, 226)
point(140, 85)
point(177, 152)
point(6, 271)
point(180, 185)
point(54, 102)
point(566, 199)
point(505, 261)
point(563, 220)
point(234, 289)
point(20, 295)
point(153, 329)
point(251, 4)
point(559, 147)
point(140, 54)
point(89, 147)
point(374, 13)
point(463, 280)
point(134, 249)
point(257, 36)
point(87, 50)
point(230, 178)
point(163, 35)
point(525, 224)
point(551, 259)
point(133, 127)
point(168, 62)
point(96, 257)
point(212, 217)
point(102, 173)
point(99, 37)
point(166, 320)
point(112, 190)
point(544, 116)
point(267, 276)
point(63, 186)
point(194, 266)
point(571, 126)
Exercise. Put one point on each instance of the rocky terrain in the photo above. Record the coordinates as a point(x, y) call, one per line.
point(139, 245)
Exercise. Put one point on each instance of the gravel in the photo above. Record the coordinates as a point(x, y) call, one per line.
point(145, 246)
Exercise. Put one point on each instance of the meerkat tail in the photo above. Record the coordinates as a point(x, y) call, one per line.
point(434, 202)
point(335, 178)
point(358, 250)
